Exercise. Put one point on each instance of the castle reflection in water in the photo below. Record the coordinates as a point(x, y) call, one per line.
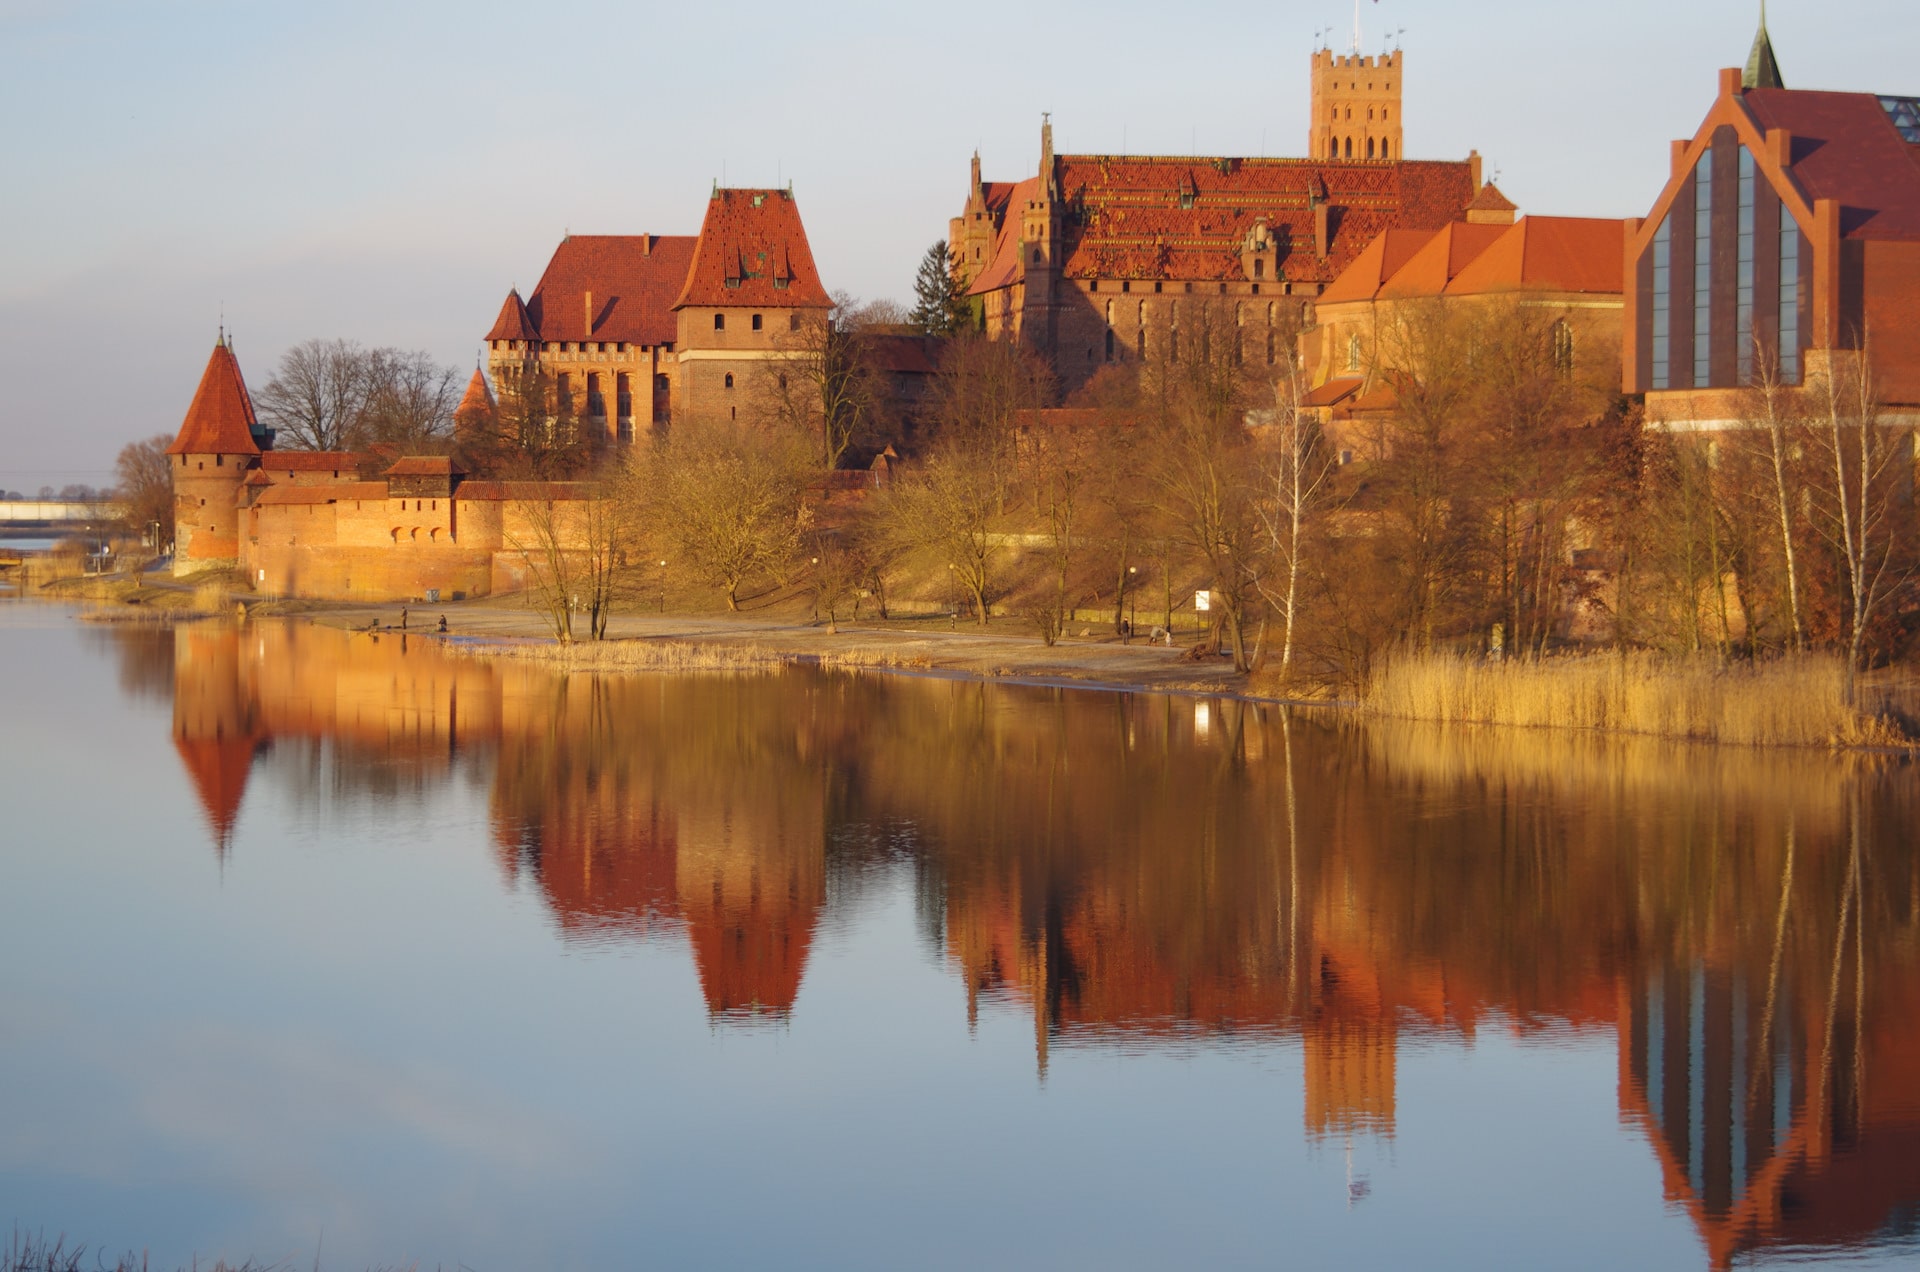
point(1141, 872)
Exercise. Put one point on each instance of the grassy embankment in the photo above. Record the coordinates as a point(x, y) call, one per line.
point(1794, 702)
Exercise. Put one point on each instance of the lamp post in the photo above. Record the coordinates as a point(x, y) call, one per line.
point(663, 587)
point(1131, 571)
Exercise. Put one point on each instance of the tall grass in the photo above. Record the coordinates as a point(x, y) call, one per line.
point(676, 655)
point(1799, 702)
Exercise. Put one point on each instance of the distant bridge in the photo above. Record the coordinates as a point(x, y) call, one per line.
point(57, 512)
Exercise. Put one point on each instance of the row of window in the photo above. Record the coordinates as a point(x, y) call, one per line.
point(1560, 346)
point(720, 322)
point(1371, 150)
point(1383, 113)
point(1186, 289)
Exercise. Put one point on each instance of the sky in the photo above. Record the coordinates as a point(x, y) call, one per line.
point(385, 171)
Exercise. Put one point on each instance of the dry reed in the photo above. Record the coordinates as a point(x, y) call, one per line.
point(1797, 702)
point(676, 655)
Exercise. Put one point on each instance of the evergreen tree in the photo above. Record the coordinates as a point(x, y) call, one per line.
point(938, 307)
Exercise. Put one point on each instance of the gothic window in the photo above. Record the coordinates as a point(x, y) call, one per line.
point(1259, 267)
point(1353, 353)
point(1369, 147)
point(1383, 151)
point(729, 379)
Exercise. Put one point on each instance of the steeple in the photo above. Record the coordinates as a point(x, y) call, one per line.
point(1763, 69)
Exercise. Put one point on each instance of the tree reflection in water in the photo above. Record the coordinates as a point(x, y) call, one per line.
point(1143, 872)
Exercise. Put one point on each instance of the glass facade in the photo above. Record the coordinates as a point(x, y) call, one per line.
point(1663, 305)
point(1743, 299)
point(1703, 272)
point(1789, 299)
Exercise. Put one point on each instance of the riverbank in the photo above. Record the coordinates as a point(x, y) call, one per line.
point(1004, 650)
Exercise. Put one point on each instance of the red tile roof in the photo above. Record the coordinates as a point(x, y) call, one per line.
point(1491, 200)
point(1846, 148)
point(513, 322)
point(1135, 217)
point(1380, 261)
point(631, 279)
point(1333, 392)
point(1549, 253)
point(1430, 269)
point(425, 466)
point(1006, 268)
point(219, 768)
point(221, 419)
point(753, 251)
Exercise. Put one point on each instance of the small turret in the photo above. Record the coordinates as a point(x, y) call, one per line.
point(219, 442)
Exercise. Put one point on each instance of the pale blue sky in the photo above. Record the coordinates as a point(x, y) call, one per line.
point(384, 171)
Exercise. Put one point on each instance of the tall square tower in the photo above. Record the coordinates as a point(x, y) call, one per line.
point(1356, 106)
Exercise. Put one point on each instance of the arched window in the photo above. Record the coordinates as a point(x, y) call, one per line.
point(1563, 348)
point(719, 322)
point(1259, 267)
point(1369, 147)
point(1383, 151)
point(1353, 353)
point(1349, 147)
point(729, 379)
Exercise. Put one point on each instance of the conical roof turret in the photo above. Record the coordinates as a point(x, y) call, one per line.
point(514, 323)
point(221, 420)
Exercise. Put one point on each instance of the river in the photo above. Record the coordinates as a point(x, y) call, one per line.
point(335, 948)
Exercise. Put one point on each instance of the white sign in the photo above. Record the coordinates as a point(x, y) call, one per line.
point(1202, 602)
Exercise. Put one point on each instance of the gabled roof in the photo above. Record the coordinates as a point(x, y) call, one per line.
point(220, 421)
point(278, 496)
point(1491, 200)
point(1381, 260)
point(1440, 261)
point(753, 250)
point(514, 323)
point(1549, 253)
point(1845, 147)
point(631, 280)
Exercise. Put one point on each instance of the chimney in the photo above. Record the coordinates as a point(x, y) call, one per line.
point(587, 305)
point(1780, 147)
point(1322, 229)
point(646, 245)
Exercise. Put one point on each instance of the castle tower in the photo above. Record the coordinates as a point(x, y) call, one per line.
point(971, 235)
point(219, 442)
point(1040, 246)
point(1356, 106)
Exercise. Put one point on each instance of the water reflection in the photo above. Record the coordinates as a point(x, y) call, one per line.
point(1139, 873)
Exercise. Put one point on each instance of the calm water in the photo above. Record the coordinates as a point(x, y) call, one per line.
point(317, 942)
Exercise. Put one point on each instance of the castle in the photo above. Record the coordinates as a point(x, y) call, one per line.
point(344, 525)
point(1100, 259)
point(641, 330)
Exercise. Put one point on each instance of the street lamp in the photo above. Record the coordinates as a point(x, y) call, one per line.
point(663, 586)
point(1131, 572)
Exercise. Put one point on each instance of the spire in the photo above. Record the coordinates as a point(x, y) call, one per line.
point(221, 420)
point(1763, 69)
point(514, 323)
point(1048, 188)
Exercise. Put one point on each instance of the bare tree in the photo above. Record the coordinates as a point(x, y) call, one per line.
point(1869, 488)
point(144, 483)
point(535, 432)
point(730, 496)
point(572, 550)
point(410, 400)
point(824, 384)
point(317, 396)
point(1295, 479)
point(947, 509)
